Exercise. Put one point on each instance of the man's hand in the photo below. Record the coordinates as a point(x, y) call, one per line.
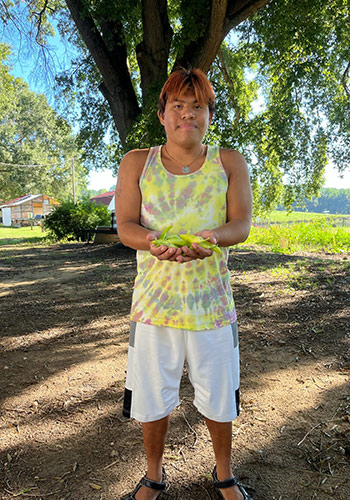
point(198, 252)
point(163, 252)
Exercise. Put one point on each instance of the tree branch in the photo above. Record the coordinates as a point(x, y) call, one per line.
point(344, 78)
point(40, 16)
point(230, 85)
point(225, 15)
point(201, 52)
point(111, 61)
point(213, 38)
point(240, 10)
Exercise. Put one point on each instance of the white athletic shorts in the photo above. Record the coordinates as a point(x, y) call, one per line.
point(156, 359)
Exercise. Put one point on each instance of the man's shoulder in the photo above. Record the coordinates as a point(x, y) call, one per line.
point(136, 155)
point(134, 161)
point(230, 155)
point(233, 162)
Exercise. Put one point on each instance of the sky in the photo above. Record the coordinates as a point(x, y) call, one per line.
point(105, 179)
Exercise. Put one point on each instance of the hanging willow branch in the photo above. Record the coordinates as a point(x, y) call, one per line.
point(228, 80)
point(344, 80)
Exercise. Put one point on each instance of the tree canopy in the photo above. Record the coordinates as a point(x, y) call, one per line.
point(280, 70)
point(36, 144)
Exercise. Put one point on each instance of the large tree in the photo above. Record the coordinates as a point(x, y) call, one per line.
point(280, 69)
point(36, 144)
point(117, 34)
point(107, 27)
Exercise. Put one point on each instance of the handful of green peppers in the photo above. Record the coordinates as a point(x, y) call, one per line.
point(181, 240)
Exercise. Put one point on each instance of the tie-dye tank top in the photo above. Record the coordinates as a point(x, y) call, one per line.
point(195, 295)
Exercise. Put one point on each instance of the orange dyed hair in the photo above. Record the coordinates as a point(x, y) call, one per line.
point(183, 80)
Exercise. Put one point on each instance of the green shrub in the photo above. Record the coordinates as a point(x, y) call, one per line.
point(68, 219)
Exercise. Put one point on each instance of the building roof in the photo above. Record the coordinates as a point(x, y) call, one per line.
point(19, 200)
point(104, 198)
point(23, 199)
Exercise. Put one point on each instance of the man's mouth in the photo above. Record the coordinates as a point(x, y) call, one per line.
point(187, 126)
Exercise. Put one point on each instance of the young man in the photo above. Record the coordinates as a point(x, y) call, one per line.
point(182, 307)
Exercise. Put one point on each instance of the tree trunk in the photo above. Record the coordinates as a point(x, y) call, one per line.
point(112, 63)
point(153, 52)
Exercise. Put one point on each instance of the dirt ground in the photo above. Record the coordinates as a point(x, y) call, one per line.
point(64, 339)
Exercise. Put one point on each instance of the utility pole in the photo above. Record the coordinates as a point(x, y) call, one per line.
point(73, 180)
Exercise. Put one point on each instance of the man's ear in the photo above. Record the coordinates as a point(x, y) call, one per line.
point(160, 116)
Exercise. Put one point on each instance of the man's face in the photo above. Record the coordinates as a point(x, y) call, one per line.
point(184, 119)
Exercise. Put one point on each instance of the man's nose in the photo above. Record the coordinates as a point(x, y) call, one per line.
point(187, 113)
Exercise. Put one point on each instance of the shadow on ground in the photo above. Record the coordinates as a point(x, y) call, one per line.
point(65, 309)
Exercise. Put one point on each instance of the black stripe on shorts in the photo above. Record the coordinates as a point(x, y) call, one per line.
point(128, 392)
point(127, 403)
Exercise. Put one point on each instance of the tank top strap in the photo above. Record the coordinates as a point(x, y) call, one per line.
point(150, 160)
point(212, 153)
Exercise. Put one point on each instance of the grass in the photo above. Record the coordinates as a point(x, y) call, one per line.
point(318, 235)
point(22, 235)
point(296, 275)
point(300, 275)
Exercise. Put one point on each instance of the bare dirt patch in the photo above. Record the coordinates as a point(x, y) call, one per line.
point(64, 339)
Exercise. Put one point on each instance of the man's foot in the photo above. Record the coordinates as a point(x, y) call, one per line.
point(147, 489)
point(146, 494)
point(229, 488)
point(232, 493)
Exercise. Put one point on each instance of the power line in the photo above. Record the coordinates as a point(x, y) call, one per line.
point(19, 165)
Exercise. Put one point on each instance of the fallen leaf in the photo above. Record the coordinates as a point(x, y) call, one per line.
point(95, 486)
point(23, 492)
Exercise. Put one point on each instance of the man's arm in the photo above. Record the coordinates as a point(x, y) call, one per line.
point(128, 208)
point(128, 201)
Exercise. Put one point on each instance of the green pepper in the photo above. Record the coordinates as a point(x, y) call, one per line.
point(210, 246)
point(176, 240)
point(191, 238)
point(203, 242)
point(165, 232)
point(180, 240)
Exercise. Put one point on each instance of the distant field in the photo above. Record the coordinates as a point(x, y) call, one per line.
point(280, 216)
point(20, 235)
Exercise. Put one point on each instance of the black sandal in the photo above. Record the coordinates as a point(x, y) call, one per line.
point(153, 485)
point(227, 483)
